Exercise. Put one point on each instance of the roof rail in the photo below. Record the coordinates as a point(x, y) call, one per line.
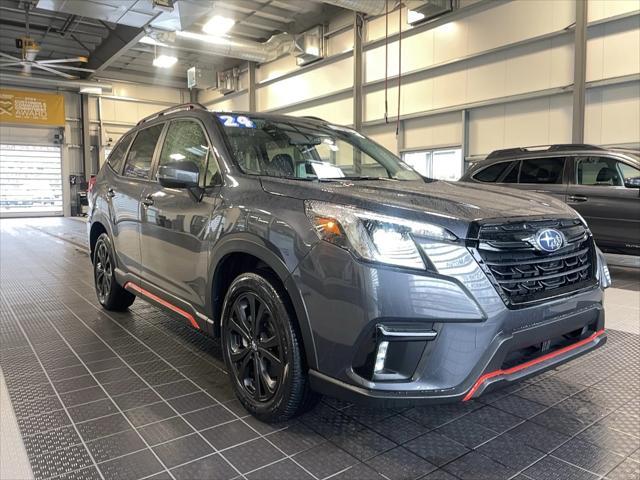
point(565, 147)
point(176, 108)
point(311, 117)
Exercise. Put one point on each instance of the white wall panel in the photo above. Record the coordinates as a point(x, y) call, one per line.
point(340, 111)
point(313, 83)
point(433, 131)
point(236, 103)
point(538, 121)
point(385, 135)
point(599, 9)
point(613, 114)
point(275, 69)
point(613, 49)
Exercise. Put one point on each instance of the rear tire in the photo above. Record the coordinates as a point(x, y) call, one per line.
point(110, 293)
point(268, 350)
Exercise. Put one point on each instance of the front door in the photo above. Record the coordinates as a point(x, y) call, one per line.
point(124, 196)
point(598, 192)
point(175, 230)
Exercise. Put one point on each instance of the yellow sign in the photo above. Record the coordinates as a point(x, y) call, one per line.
point(31, 108)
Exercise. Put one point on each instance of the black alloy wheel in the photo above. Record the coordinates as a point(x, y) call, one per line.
point(110, 294)
point(255, 347)
point(263, 348)
point(104, 272)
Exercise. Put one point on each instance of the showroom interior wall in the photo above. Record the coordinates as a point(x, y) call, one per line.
point(501, 72)
point(110, 116)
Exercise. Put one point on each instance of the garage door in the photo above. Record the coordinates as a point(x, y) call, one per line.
point(30, 180)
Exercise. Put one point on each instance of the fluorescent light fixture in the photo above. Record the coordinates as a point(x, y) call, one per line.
point(177, 156)
point(91, 90)
point(218, 25)
point(414, 17)
point(164, 61)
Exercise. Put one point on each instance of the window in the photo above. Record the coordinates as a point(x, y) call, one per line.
point(513, 173)
point(542, 170)
point(187, 142)
point(440, 164)
point(141, 152)
point(628, 171)
point(116, 156)
point(493, 172)
point(304, 151)
point(603, 171)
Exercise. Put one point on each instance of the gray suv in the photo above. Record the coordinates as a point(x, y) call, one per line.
point(603, 185)
point(326, 265)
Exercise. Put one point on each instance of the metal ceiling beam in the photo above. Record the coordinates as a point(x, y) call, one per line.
point(143, 78)
point(119, 40)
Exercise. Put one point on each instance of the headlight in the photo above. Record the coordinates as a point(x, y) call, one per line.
point(372, 236)
point(584, 222)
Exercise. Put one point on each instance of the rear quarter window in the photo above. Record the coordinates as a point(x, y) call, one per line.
point(492, 173)
point(117, 156)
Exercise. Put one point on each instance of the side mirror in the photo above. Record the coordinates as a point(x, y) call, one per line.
point(633, 182)
point(184, 174)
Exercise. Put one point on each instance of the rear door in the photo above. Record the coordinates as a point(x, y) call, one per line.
point(544, 175)
point(124, 195)
point(612, 210)
point(175, 238)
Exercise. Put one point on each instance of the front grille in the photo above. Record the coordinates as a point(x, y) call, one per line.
point(522, 274)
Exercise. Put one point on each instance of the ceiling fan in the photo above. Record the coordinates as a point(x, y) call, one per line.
point(29, 50)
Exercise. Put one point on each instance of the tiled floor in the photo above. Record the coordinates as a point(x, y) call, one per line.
point(141, 395)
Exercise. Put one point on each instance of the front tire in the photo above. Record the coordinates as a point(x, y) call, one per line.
point(110, 294)
point(263, 349)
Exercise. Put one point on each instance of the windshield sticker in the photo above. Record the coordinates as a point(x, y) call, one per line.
point(240, 121)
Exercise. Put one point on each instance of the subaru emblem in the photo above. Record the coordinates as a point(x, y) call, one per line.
point(549, 240)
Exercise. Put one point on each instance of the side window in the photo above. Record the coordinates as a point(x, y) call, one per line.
point(542, 170)
point(186, 142)
point(141, 152)
point(628, 172)
point(512, 174)
point(116, 157)
point(599, 171)
point(493, 172)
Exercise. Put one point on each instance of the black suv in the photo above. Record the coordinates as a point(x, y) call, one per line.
point(327, 265)
point(603, 185)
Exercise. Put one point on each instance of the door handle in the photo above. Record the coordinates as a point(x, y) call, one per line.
point(578, 198)
point(111, 193)
point(148, 201)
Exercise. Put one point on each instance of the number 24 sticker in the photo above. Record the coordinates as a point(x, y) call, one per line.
point(236, 121)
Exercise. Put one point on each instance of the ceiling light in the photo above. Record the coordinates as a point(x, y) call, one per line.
point(218, 25)
point(164, 61)
point(91, 90)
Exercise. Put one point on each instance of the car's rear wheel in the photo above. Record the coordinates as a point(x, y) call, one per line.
point(263, 349)
point(110, 294)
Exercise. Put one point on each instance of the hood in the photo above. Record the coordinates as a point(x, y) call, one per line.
point(453, 205)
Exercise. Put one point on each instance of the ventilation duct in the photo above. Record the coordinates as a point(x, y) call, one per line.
point(370, 7)
point(378, 7)
point(277, 46)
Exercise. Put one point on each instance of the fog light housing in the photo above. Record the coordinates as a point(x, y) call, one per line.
point(381, 356)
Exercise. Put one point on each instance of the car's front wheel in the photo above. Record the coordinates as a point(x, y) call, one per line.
point(110, 294)
point(263, 349)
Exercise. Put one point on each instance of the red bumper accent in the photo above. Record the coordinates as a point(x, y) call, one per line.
point(529, 364)
point(155, 298)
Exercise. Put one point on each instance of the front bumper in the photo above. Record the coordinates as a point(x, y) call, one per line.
point(477, 341)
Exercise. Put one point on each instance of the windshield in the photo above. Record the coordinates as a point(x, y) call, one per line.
point(304, 152)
